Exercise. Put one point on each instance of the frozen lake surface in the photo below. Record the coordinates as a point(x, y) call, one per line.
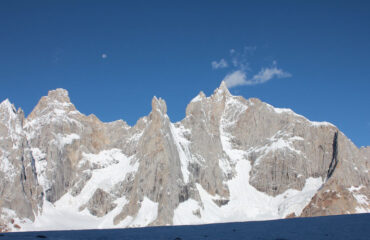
point(329, 228)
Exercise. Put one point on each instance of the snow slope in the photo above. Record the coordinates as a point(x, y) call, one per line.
point(111, 167)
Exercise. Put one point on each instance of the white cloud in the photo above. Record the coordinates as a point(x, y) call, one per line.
point(235, 78)
point(241, 74)
point(239, 77)
point(220, 64)
point(104, 56)
point(266, 74)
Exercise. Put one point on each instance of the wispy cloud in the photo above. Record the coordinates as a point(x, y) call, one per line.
point(220, 64)
point(235, 78)
point(242, 75)
point(239, 77)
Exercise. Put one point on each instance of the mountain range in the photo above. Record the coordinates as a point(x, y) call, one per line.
point(230, 159)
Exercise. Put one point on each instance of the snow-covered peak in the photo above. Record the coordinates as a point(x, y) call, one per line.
point(12, 120)
point(7, 110)
point(6, 102)
point(53, 108)
point(201, 96)
point(222, 90)
point(59, 94)
point(57, 102)
point(159, 105)
point(218, 94)
point(6, 105)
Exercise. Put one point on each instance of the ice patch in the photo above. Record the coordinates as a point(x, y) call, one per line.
point(59, 112)
point(40, 164)
point(197, 98)
point(104, 158)
point(233, 109)
point(147, 214)
point(61, 140)
point(320, 124)
point(277, 142)
point(182, 146)
point(136, 137)
point(283, 110)
point(362, 200)
point(276, 145)
point(7, 167)
point(353, 188)
point(290, 111)
point(296, 138)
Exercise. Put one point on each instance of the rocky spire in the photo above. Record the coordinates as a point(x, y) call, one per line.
point(159, 105)
point(9, 114)
point(6, 105)
point(222, 89)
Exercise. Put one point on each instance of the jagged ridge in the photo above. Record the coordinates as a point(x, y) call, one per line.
point(229, 159)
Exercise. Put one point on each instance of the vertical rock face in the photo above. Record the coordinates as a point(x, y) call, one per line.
point(229, 159)
point(347, 187)
point(20, 193)
point(159, 176)
point(202, 130)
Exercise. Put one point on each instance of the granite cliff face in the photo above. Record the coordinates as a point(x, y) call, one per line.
point(229, 159)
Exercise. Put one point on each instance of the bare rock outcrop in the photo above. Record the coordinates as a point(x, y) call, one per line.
point(100, 203)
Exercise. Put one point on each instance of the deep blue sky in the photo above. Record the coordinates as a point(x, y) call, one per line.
point(166, 49)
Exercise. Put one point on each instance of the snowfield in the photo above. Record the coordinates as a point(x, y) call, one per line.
point(344, 227)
